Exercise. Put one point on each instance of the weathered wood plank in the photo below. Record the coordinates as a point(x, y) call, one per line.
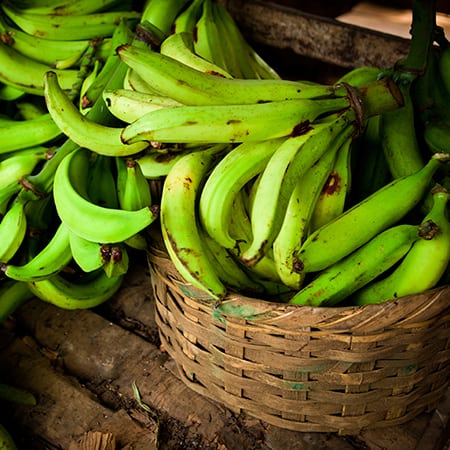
point(65, 409)
point(325, 39)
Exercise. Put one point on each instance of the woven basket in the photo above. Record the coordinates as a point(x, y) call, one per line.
point(324, 369)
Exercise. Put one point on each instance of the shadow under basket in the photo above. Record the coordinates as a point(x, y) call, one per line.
point(309, 369)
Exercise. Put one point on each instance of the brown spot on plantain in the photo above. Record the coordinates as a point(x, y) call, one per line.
point(7, 38)
point(187, 183)
point(216, 74)
point(297, 266)
point(332, 185)
point(302, 128)
point(428, 229)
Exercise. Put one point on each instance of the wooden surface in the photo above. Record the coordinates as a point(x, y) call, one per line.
point(81, 365)
point(321, 38)
point(387, 19)
point(367, 34)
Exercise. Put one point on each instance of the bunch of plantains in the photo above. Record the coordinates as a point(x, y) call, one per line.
point(285, 189)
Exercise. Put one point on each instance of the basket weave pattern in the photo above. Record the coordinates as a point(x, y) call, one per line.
point(340, 369)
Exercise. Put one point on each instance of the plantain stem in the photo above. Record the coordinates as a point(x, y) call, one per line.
point(423, 29)
point(375, 98)
point(86, 64)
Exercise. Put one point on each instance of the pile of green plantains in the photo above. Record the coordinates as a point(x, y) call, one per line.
point(288, 190)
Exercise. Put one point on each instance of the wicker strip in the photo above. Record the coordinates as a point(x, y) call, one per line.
point(340, 369)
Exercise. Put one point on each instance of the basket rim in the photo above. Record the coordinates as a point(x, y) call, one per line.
point(408, 311)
